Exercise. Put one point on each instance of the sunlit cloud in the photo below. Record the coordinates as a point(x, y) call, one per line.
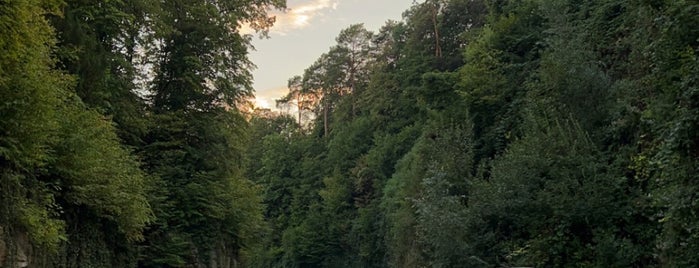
point(298, 16)
point(301, 20)
point(262, 103)
point(302, 15)
point(268, 98)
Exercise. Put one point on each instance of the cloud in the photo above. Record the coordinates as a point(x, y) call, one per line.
point(298, 16)
point(267, 98)
point(301, 16)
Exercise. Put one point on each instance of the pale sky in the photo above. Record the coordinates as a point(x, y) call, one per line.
point(307, 30)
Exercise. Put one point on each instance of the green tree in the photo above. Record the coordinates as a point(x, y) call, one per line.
point(101, 190)
point(64, 170)
point(98, 45)
point(31, 91)
point(495, 133)
point(208, 213)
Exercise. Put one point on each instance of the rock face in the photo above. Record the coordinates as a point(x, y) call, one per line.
point(14, 250)
point(3, 247)
point(222, 257)
point(22, 256)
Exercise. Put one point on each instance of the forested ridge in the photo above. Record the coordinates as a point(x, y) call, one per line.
point(121, 142)
point(473, 133)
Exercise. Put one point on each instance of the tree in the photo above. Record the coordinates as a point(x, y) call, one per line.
point(354, 44)
point(208, 214)
point(67, 182)
point(339, 72)
point(493, 79)
point(31, 91)
point(304, 100)
point(98, 45)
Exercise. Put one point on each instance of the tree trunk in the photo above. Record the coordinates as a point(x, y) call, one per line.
point(299, 107)
point(437, 48)
point(325, 118)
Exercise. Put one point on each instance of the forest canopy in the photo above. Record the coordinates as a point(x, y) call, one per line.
point(491, 134)
point(472, 133)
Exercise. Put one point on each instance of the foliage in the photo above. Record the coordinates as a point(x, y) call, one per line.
point(499, 133)
point(473, 133)
point(80, 175)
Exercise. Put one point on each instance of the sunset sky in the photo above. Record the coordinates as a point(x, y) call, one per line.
point(306, 30)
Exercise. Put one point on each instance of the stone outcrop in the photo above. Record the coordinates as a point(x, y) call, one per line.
point(14, 250)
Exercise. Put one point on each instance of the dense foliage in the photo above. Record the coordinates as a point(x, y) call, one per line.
point(121, 142)
point(483, 133)
point(473, 133)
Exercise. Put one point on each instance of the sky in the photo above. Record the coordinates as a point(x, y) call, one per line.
point(305, 31)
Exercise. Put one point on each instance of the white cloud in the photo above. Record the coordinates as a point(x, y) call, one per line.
point(301, 15)
point(263, 103)
point(268, 98)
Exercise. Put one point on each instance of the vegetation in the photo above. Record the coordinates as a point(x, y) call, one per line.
point(473, 133)
point(103, 164)
point(493, 134)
